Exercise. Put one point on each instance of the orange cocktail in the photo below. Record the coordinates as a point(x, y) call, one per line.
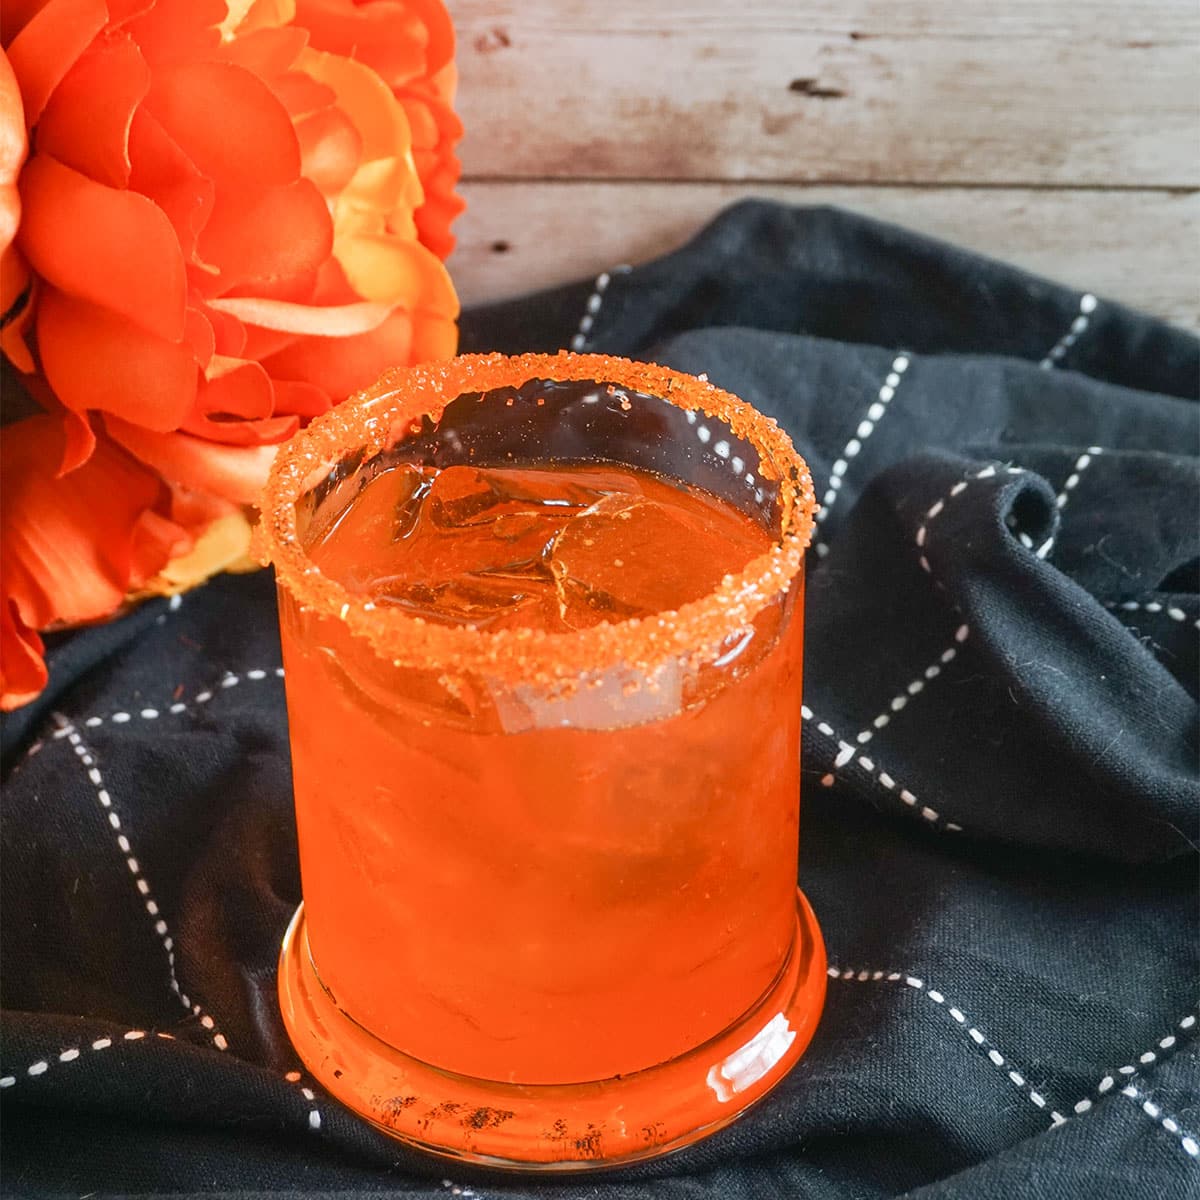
point(542, 633)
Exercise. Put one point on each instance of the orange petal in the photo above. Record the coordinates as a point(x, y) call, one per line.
point(79, 443)
point(333, 288)
point(235, 473)
point(71, 546)
point(300, 399)
point(200, 337)
point(235, 387)
point(18, 14)
point(439, 125)
point(382, 195)
point(86, 123)
point(46, 48)
point(228, 122)
point(79, 438)
point(14, 142)
point(13, 343)
point(265, 52)
point(22, 664)
point(300, 94)
point(224, 545)
point(163, 173)
point(112, 247)
point(390, 270)
point(436, 129)
point(267, 432)
point(436, 93)
point(262, 343)
point(433, 338)
point(439, 34)
point(194, 510)
point(330, 149)
point(122, 11)
point(445, 82)
point(386, 35)
point(95, 359)
point(297, 289)
point(340, 366)
point(442, 205)
point(229, 333)
point(17, 312)
point(176, 31)
point(424, 126)
point(251, 15)
point(157, 540)
point(278, 237)
point(366, 100)
point(15, 286)
point(342, 320)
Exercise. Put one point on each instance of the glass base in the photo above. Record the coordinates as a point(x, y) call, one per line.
point(559, 1127)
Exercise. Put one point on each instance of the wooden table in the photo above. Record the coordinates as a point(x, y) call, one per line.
point(1063, 137)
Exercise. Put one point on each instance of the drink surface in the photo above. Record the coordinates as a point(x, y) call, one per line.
point(554, 548)
point(583, 897)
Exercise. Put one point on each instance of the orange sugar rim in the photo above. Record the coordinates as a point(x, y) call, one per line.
point(527, 654)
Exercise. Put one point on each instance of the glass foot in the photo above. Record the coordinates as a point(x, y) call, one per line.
point(559, 1127)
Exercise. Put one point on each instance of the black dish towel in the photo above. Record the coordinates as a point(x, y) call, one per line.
point(1000, 811)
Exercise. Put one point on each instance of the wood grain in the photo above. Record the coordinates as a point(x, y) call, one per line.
point(1103, 20)
point(933, 91)
point(1139, 247)
point(1058, 136)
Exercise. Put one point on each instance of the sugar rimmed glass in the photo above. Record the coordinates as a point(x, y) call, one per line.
point(551, 916)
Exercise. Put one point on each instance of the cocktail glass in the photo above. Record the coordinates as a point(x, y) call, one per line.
point(550, 913)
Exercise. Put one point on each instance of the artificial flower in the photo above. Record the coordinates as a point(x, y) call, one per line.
point(216, 220)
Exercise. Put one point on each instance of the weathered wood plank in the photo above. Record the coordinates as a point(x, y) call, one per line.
point(934, 92)
point(1140, 248)
point(1142, 21)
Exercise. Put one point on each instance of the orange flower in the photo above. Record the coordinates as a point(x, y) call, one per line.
point(420, 71)
point(233, 216)
point(71, 546)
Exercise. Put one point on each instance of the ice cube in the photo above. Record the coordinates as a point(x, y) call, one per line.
point(630, 556)
point(613, 699)
point(413, 484)
point(464, 496)
point(477, 552)
point(472, 600)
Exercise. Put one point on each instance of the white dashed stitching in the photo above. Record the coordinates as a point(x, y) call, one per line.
point(1087, 306)
point(229, 680)
point(864, 429)
point(847, 752)
point(938, 507)
point(1163, 1046)
point(992, 1053)
point(593, 306)
point(140, 881)
point(913, 687)
point(73, 1052)
point(1151, 606)
point(1081, 464)
point(922, 540)
point(1191, 1147)
point(314, 1113)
